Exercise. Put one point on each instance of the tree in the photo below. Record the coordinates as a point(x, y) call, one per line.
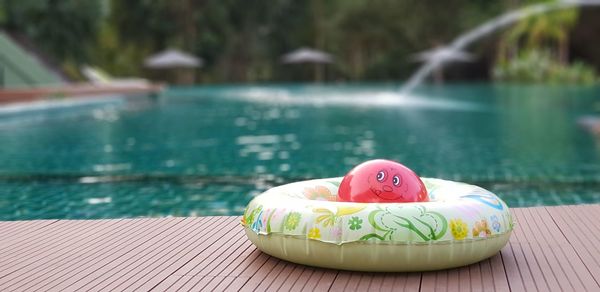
point(549, 31)
point(62, 28)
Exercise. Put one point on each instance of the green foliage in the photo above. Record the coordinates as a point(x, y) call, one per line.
point(242, 41)
point(117, 56)
point(63, 28)
point(374, 39)
point(552, 28)
point(537, 50)
point(541, 67)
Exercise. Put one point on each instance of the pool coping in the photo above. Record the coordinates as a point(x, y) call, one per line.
point(80, 90)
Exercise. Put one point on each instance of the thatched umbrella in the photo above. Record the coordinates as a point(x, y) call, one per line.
point(308, 55)
point(176, 60)
point(173, 58)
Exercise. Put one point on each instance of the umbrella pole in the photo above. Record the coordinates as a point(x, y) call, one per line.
point(438, 76)
point(318, 72)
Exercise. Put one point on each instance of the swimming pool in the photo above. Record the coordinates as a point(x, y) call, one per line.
point(208, 150)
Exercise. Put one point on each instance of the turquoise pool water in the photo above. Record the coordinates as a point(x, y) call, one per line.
point(209, 150)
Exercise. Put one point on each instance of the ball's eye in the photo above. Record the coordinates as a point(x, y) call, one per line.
point(381, 176)
point(396, 180)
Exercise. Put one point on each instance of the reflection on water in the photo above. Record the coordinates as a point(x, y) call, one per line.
point(208, 150)
point(365, 98)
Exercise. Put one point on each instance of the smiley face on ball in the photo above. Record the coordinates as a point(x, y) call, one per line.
point(382, 181)
point(386, 184)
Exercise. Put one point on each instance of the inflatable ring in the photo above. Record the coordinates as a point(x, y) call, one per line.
point(302, 223)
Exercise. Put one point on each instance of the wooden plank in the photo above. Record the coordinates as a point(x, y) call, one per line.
point(103, 253)
point(483, 276)
point(487, 278)
point(515, 278)
point(39, 240)
point(377, 281)
point(224, 276)
point(301, 281)
point(69, 263)
point(222, 234)
point(354, 280)
point(464, 276)
point(272, 275)
point(289, 282)
point(226, 256)
point(9, 225)
point(214, 256)
point(155, 261)
point(176, 277)
point(388, 282)
point(499, 273)
point(319, 276)
point(48, 254)
point(453, 280)
point(582, 240)
point(145, 259)
point(123, 265)
point(551, 248)
point(289, 271)
point(585, 218)
point(429, 281)
point(585, 248)
point(248, 270)
point(412, 281)
point(572, 271)
point(324, 284)
point(524, 270)
point(529, 249)
point(34, 264)
point(475, 280)
point(589, 212)
point(441, 281)
point(254, 261)
point(168, 282)
point(364, 282)
point(189, 284)
point(209, 270)
point(257, 277)
point(341, 281)
point(214, 269)
point(556, 276)
point(12, 230)
point(17, 248)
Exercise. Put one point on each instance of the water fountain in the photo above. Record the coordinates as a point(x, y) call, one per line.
point(439, 56)
point(432, 60)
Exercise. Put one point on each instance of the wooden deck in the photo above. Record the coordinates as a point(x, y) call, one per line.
point(551, 249)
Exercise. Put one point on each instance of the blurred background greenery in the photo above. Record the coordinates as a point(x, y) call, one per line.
point(242, 41)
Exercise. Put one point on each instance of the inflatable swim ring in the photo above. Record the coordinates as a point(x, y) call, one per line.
point(304, 223)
